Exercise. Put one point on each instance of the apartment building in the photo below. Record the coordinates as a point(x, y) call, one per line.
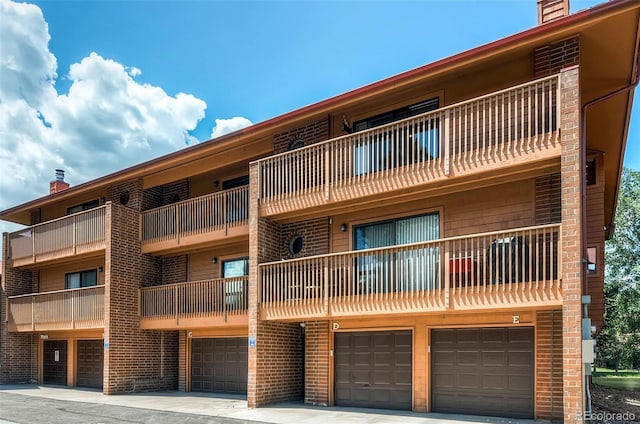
point(428, 242)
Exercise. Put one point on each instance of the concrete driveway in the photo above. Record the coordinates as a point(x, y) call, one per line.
point(200, 408)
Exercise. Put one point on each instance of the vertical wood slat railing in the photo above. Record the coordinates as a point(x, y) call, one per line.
point(73, 234)
point(519, 266)
point(222, 297)
point(57, 310)
point(218, 211)
point(497, 126)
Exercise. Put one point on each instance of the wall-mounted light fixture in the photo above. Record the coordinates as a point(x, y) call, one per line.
point(214, 260)
point(100, 269)
point(216, 183)
point(346, 126)
point(343, 227)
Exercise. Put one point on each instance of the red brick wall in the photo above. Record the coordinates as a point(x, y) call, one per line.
point(316, 366)
point(571, 245)
point(151, 198)
point(312, 133)
point(135, 359)
point(314, 232)
point(276, 369)
point(174, 269)
point(134, 187)
point(552, 58)
point(178, 190)
point(549, 365)
point(18, 351)
point(548, 202)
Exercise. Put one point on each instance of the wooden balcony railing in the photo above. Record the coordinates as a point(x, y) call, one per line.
point(506, 127)
point(516, 268)
point(57, 310)
point(212, 216)
point(82, 232)
point(222, 301)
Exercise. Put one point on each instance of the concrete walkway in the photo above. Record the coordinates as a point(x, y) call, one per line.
point(235, 407)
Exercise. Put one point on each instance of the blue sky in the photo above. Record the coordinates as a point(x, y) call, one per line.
point(106, 84)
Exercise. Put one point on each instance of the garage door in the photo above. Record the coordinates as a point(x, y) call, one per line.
point(373, 369)
point(90, 363)
point(54, 369)
point(219, 365)
point(483, 371)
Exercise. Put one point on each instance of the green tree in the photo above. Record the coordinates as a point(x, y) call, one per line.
point(619, 340)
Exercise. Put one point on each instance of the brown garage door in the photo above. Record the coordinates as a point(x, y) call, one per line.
point(483, 371)
point(373, 369)
point(54, 370)
point(219, 365)
point(90, 363)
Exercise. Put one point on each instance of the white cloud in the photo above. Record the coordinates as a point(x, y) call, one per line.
point(225, 126)
point(107, 120)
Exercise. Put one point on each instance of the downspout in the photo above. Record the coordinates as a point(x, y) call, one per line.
point(583, 187)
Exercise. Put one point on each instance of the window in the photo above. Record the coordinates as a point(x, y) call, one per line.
point(414, 268)
point(235, 267)
point(398, 146)
point(75, 280)
point(234, 291)
point(83, 207)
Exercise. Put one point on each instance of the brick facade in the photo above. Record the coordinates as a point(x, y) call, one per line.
point(136, 359)
point(549, 365)
point(314, 232)
point(18, 351)
point(312, 133)
point(571, 246)
point(552, 58)
point(276, 363)
point(316, 363)
point(174, 269)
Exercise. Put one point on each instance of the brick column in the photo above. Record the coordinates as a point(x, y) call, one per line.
point(18, 351)
point(316, 369)
point(571, 245)
point(549, 365)
point(276, 362)
point(141, 359)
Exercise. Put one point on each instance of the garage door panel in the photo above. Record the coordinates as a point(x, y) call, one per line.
point(219, 365)
point(483, 371)
point(90, 363)
point(374, 369)
point(490, 358)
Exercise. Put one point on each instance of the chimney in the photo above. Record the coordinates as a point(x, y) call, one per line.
point(59, 183)
point(552, 10)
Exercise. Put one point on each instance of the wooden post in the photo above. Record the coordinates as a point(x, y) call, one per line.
point(446, 125)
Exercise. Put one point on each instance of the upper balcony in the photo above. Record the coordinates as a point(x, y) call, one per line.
point(81, 308)
point(519, 268)
point(213, 217)
point(508, 129)
point(195, 304)
point(77, 234)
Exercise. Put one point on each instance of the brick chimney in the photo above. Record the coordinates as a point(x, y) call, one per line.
point(552, 10)
point(59, 183)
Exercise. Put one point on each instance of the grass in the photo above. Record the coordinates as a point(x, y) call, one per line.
point(622, 380)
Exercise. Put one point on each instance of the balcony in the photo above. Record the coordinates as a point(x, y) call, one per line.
point(213, 217)
point(507, 129)
point(58, 310)
point(195, 304)
point(519, 268)
point(77, 234)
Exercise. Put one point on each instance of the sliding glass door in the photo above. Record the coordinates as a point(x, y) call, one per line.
point(407, 268)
